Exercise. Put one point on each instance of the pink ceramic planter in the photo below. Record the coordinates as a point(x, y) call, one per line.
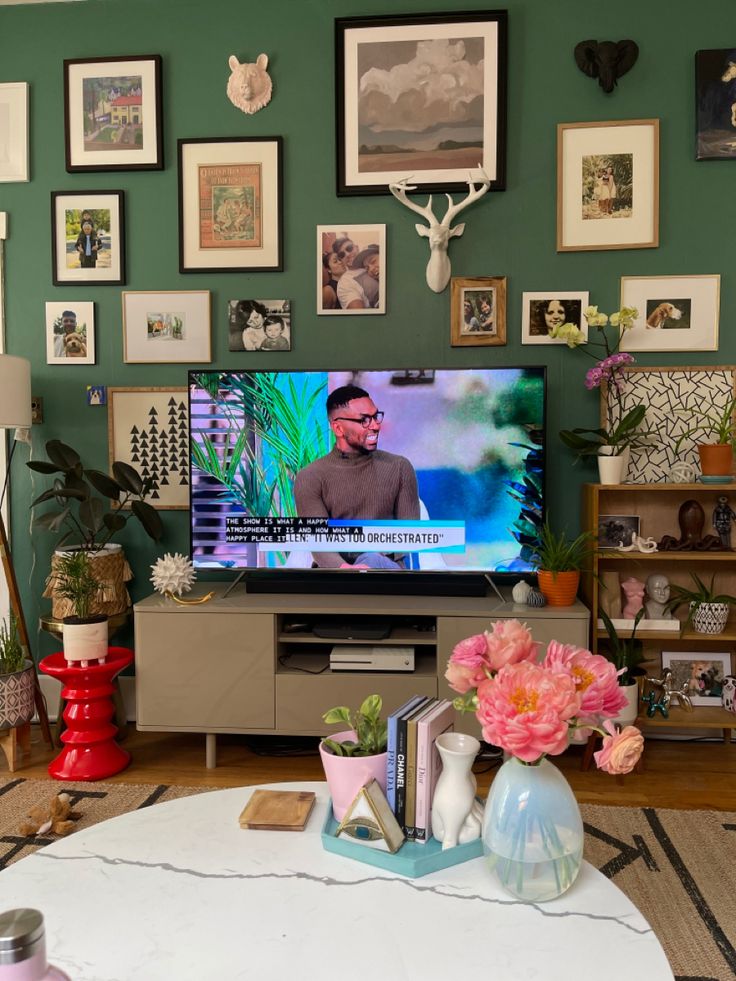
point(347, 774)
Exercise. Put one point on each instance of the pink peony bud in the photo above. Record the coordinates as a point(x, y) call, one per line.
point(621, 751)
point(509, 642)
point(467, 665)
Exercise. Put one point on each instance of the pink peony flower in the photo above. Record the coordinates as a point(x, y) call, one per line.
point(596, 678)
point(469, 659)
point(621, 751)
point(509, 642)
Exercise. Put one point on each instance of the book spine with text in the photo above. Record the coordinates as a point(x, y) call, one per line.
point(391, 725)
point(411, 768)
point(401, 740)
point(442, 719)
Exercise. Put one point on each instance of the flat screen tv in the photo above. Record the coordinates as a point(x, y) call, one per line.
point(416, 478)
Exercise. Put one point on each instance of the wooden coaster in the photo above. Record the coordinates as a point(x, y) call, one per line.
point(277, 810)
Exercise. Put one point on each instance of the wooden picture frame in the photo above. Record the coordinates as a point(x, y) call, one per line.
point(540, 311)
point(608, 185)
point(112, 113)
point(478, 311)
point(96, 259)
point(170, 327)
point(676, 313)
point(694, 666)
point(14, 150)
point(230, 204)
point(376, 54)
point(148, 428)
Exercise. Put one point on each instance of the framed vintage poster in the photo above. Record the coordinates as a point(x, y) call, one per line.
point(149, 429)
point(608, 185)
point(112, 113)
point(230, 204)
point(172, 327)
point(351, 269)
point(14, 132)
point(421, 95)
point(478, 311)
point(676, 313)
point(715, 104)
point(541, 312)
point(701, 671)
point(87, 238)
point(70, 332)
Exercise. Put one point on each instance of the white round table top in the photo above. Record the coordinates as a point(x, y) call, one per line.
point(179, 890)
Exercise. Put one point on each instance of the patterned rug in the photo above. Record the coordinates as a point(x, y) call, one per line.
point(675, 866)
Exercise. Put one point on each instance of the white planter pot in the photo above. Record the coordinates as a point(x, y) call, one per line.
point(612, 467)
point(629, 712)
point(85, 640)
point(710, 618)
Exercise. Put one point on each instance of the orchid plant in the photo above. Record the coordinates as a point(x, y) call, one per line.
point(622, 428)
point(531, 709)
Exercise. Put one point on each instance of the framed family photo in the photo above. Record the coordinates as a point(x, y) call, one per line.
point(542, 312)
point(166, 328)
point(478, 311)
point(230, 204)
point(259, 325)
point(351, 269)
point(715, 95)
point(421, 95)
point(148, 428)
point(87, 238)
point(701, 671)
point(14, 132)
point(676, 313)
point(70, 332)
point(608, 185)
point(112, 113)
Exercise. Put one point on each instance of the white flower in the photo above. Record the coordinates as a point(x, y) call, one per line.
point(173, 574)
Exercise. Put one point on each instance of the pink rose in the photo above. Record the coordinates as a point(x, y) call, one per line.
point(595, 677)
point(466, 668)
point(510, 642)
point(621, 750)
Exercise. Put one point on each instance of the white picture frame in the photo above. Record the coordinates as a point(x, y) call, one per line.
point(690, 325)
point(75, 346)
point(535, 325)
point(168, 327)
point(348, 243)
point(687, 665)
point(14, 153)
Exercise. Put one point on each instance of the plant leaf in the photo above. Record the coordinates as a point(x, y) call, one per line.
point(128, 477)
point(149, 518)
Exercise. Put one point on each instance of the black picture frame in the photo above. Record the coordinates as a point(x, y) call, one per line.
point(85, 154)
point(107, 211)
point(486, 109)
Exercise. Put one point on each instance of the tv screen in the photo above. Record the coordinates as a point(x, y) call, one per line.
point(408, 471)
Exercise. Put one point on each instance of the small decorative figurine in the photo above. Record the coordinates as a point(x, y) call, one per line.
point(723, 515)
point(520, 592)
point(609, 598)
point(682, 473)
point(249, 87)
point(173, 575)
point(658, 594)
point(606, 60)
point(659, 697)
point(639, 544)
point(691, 519)
point(634, 593)
point(535, 598)
point(728, 695)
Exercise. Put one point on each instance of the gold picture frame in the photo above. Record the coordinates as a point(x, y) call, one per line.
point(478, 311)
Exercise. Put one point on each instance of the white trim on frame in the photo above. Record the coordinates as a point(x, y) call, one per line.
point(693, 658)
point(14, 154)
point(659, 328)
point(170, 327)
point(529, 331)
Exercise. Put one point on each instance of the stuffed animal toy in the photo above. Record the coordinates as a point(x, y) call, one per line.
point(54, 818)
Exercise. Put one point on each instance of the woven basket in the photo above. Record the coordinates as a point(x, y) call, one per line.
point(110, 566)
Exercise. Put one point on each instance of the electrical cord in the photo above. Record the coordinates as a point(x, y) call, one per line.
point(284, 662)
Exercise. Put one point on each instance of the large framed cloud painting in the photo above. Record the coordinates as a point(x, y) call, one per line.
point(421, 96)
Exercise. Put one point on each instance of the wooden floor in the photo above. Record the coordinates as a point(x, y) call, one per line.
point(676, 774)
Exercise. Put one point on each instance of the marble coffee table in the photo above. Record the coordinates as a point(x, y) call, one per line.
point(179, 890)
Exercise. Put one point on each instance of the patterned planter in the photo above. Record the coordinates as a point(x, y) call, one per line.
point(709, 618)
point(16, 697)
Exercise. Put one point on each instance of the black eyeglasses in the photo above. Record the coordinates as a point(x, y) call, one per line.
point(364, 420)
point(345, 251)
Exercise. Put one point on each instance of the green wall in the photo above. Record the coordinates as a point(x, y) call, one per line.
point(509, 233)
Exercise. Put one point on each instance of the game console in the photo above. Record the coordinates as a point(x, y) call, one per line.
point(348, 657)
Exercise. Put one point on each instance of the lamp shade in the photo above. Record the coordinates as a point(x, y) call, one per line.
point(15, 392)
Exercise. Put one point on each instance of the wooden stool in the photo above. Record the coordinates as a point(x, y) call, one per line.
point(14, 742)
point(590, 749)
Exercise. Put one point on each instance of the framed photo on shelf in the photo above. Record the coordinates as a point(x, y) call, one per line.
point(398, 107)
point(70, 332)
point(541, 312)
point(167, 328)
point(616, 530)
point(148, 428)
point(112, 113)
point(715, 73)
point(351, 269)
point(87, 238)
point(676, 313)
point(703, 672)
point(608, 185)
point(230, 204)
point(478, 311)
point(14, 132)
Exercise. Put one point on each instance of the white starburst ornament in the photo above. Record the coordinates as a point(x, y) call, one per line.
point(173, 574)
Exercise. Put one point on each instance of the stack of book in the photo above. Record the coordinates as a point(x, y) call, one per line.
point(414, 764)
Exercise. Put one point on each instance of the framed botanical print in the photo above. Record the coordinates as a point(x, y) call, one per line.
point(675, 313)
point(230, 207)
point(14, 132)
point(87, 238)
point(112, 113)
point(478, 311)
point(608, 185)
point(172, 327)
point(421, 95)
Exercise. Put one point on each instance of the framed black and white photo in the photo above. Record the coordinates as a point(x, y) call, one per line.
point(351, 269)
point(259, 325)
point(617, 530)
point(14, 132)
point(171, 327)
point(70, 332)
point(542, 312)
point(702, 672)
point(675, 313)
point(87, 238)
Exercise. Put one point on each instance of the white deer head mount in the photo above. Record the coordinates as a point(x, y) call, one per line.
point(439, 233)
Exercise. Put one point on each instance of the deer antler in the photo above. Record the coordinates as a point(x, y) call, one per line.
point(472, 195)
point(399, 189)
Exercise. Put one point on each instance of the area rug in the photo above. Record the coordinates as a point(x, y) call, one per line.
point(675, 866)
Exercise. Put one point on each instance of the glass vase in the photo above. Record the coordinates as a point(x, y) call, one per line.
point(532, 831)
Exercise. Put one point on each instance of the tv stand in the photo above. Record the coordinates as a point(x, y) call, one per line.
point(245, 663)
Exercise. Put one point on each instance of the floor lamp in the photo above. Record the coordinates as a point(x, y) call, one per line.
point(15, 413)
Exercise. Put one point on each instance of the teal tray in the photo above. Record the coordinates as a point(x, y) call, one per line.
point(411, 860)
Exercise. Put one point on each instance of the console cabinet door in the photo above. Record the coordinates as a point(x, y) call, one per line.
point(204, 672)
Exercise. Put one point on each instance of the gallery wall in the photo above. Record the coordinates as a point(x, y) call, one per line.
point(509, 233)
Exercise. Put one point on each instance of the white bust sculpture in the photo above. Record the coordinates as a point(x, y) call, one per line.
point(657, 593)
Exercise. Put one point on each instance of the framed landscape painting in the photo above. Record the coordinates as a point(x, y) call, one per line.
point(112, 113)
point(421, 95)
point(14, 132)
point(87, 238)
point(166, 328)
point(676, 313)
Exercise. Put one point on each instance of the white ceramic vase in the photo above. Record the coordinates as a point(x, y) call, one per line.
point(456, 815)
point(613, 467)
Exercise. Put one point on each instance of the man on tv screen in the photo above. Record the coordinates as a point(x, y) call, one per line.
point(356, 479)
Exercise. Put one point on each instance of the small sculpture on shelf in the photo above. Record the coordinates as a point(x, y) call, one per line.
point(682, 473)
point(609, 599)
point(660, 695)
point(173, 575)
point(723, 515)
point(634, 593)
point(658, 595)
point(691, 519)
point(639, 544)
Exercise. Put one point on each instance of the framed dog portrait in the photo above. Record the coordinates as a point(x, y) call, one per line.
point(230, 208)
point(675, 313)
point(608, 185)
point(112, 113)
point(702, 672)
point(478, 311)
point(351, 269)
point(70, 332)
point(421, 95)
point(542, 312)
point(87, 238)
point(149, 429)
point(14, 132)
point(166, 328)
point(715, 104)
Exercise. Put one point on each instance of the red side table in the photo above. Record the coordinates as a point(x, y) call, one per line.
point(90, 751)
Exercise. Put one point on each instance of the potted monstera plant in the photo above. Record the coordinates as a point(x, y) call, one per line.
point(16, 678)
point(356, 755)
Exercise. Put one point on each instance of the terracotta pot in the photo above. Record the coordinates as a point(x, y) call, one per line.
point(716, 459)
point(559, 588)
